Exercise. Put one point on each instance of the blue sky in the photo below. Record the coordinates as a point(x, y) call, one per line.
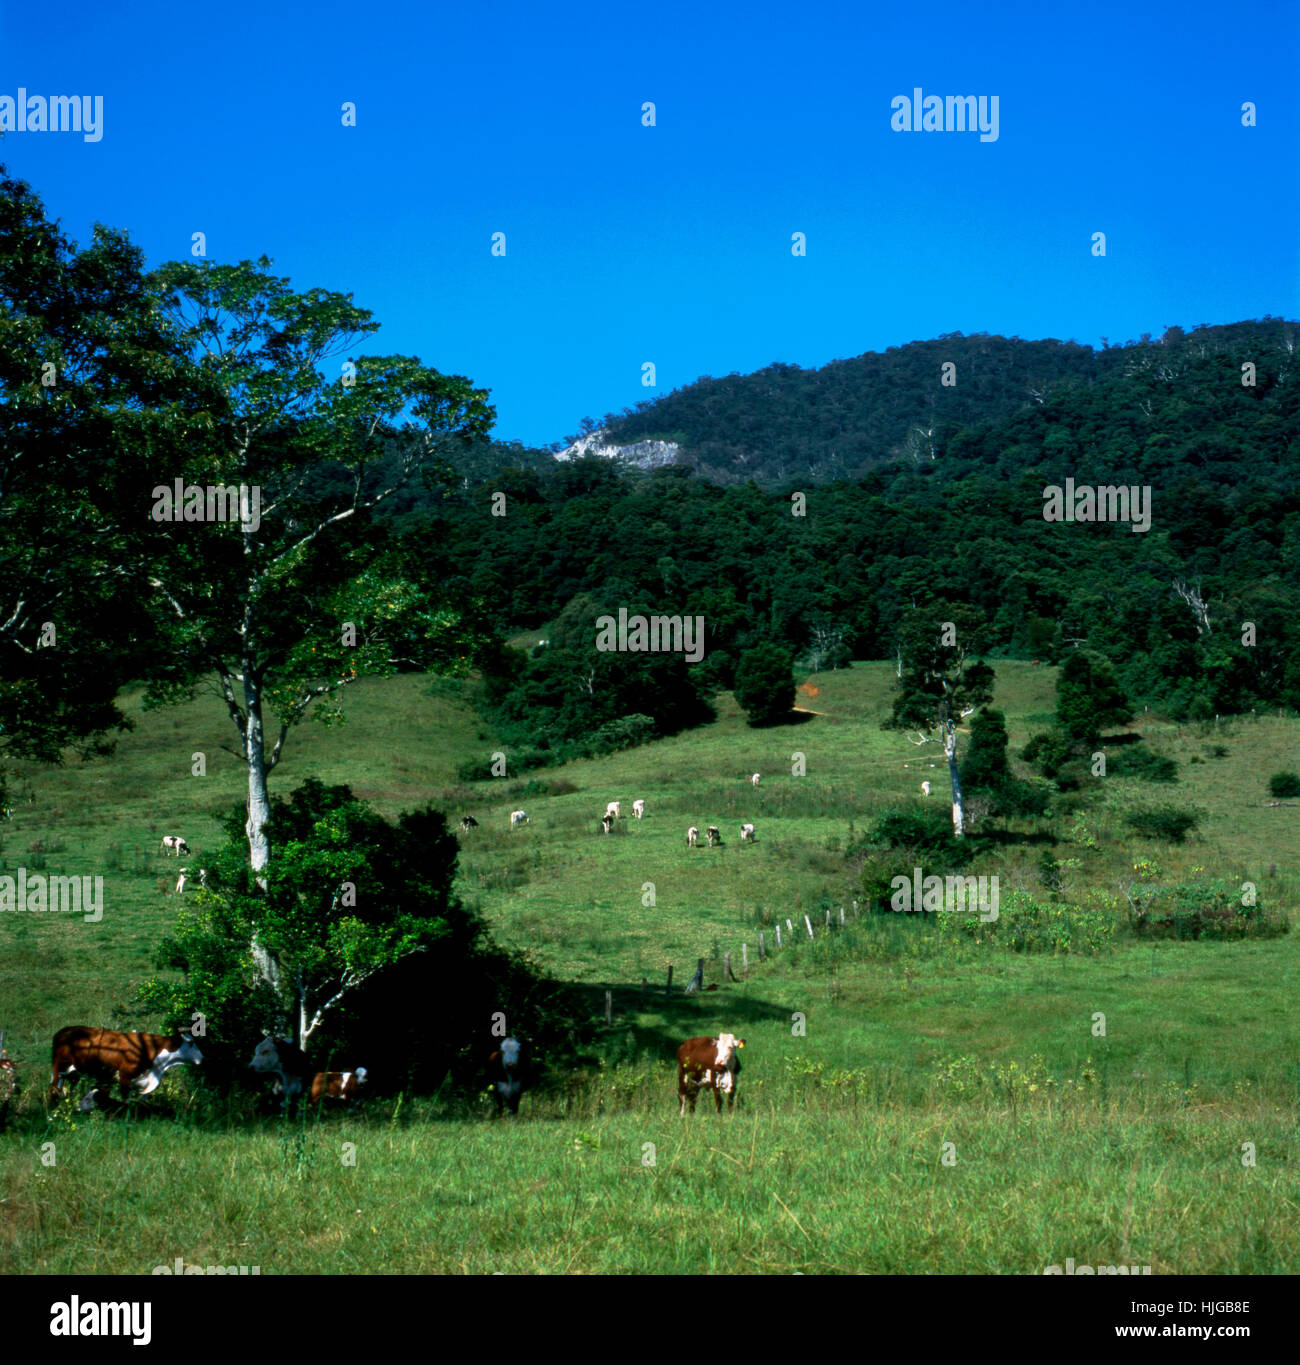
point(671, 244)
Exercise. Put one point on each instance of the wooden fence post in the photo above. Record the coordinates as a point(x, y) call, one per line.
point(789, 926)
point(668, 989)
point(609, 1007)
point(744, 958)
point(841, 917)
point(828, 919)
point(778, 936)
point(762, 946)
point(808, 922)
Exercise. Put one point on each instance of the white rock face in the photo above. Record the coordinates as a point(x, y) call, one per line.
point(646, 454)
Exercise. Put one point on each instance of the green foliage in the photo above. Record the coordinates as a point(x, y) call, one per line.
point(1284, 785)
point(1025, 925)
point(1167, 822)
point(985, 762)
point(1088, 698)
point(1210, 909)
point(1138, 761)
point(764, 684)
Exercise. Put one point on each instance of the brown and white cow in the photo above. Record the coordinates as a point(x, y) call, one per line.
point(288, 1063)
point(708, 1063)
point(343, 1086)
point(139, 1059)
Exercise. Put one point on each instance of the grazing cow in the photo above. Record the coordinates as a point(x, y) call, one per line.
point(342, 1086)
point(279, 1057)
point(714, 836)
point(710, 1062)
point(925, 789)
point(518, 817)
point(692, 837)
point(507, 1069)
point(139, 1058)
point(747, 833)
point(754, 779)
point(638, 809)
point(468, 823)
point(8, 1083)
point(174, 843)
point(606, 823)
point(615, 809)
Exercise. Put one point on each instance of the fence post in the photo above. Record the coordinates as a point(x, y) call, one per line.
point(609, 1007)
point(762, 946)
point(841, 917)
point(808, 922)
point(668, 989)
point(778, 936)
point(789, 926)
point(828, 919)
point(744, 958)
point(697, 981)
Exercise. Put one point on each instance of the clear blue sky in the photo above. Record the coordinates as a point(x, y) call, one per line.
point(671, 244)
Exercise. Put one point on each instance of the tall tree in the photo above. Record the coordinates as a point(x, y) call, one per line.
point(1088, 697)
point(290, 605)
point(941, 681)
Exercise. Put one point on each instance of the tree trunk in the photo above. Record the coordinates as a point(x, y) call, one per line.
point(950, 750)
point(259, 810)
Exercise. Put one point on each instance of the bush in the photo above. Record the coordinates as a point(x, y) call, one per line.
point(1164, 822)
point(1210, 909)
point(765, 684)
point(1025, 925)
point(624, 733)
point(1048, 751)
point(922, 833)
point(1284, 785)
point(1140, 762)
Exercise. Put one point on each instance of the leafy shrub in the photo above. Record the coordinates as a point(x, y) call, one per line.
point(1173, 823)
point(1140, 762)
point(624, 733)
point(1208, 909)
point(1025, 925)
point(1285, 784)
point(1048, 751)
point(921, 831)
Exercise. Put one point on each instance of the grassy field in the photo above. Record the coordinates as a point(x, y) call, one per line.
point(868, 1049)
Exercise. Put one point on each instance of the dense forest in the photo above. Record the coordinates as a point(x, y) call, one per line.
point(961, 522)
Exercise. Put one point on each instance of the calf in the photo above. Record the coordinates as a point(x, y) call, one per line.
point(468, 823)
point(754, 779)
point(711, 1063)
point(134, 1058)
point(518, 817)
point(606, 823)
point(638, 809)
point(289, 1064)
point(342, 1086)
point(925, 789)
point(747, 833)
point(714, 836)
point(615, 809)
point(507, 1069)
point(174, 843)
point(692, 837)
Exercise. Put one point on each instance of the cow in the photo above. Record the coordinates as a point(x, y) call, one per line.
point(507, 1070)
point(8, 1083)
point(754, 779)
point(747, 833)
point(606, 823)
point(289, 1064)
point(714, 836)
point(174, 843)
point(518, 817)
point(343, 1086)
point(692, 837)
point(710, 1062)
point(468, 823)
point(638, 809)
point(925, 789)
point(615, 809)
point(134, 1058)
point(99, 1098)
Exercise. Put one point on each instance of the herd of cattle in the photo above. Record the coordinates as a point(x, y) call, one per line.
point(614, 813)
point(140, 1060)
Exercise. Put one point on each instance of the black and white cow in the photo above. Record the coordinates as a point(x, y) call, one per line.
point(290, 1065)
point(507, 1070)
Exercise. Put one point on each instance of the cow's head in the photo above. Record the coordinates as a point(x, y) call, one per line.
point(728, 1043)
point(188, 1050)
point(511, 1049)
point(266, 1056)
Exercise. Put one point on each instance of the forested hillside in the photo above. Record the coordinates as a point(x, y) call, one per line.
point(1219, 456)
